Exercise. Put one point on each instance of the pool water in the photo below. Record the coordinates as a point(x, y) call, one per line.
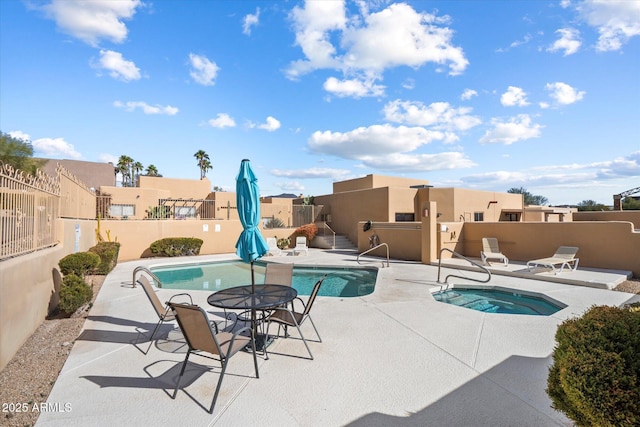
point(497, 301)
point(214, 276)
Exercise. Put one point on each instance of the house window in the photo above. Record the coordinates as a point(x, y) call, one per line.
point(184, 212)
point(478, 216)
point(514, 217)
point(405, 216)
point(122, 210)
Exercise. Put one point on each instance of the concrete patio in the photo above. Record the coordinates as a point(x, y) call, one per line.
point(395, 357)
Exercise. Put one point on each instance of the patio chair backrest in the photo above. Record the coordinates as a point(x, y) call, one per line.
point(490, 245)
point(195, 326)
point(313, 295)
point(278, 274)
point(151, 294)
point(301, 241)
point(566, 252)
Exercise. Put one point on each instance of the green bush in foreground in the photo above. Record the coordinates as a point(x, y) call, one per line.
point(74, 293)
point(79, 263)
point(176, 246)
point(108, 253)
point(595, 377)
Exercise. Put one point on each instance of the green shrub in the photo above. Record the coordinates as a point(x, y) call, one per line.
point(74, 293)
point(308, 230)
point(283, 243)
point(80, 263)
point(274, 223)
point(176, 246)
point(595, 378)
point(108, 253)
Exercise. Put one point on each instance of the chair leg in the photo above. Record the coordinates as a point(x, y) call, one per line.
point(305, 341)
point(184, 365)
point(314, 328)
point(215, 395)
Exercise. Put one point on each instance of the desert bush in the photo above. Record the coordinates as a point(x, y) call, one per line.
point(274, 223)
point(108, 253)
point(79, 263)
point(308, 230)
point(283, 243)
point(176, 246)
point(74, 293)
point(595, 377)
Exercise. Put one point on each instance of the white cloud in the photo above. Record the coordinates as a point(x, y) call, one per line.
point(389, 148)
point(370, 43)
point(91, 21)
point(323, 173)
point(564, 94)
point(468, 94)
point(352, 88)
point(55, 148)
point(250, 20)
point(397, 36)
point(568, 42)
point(131, 106)
point(376, 140)
point(294, 186)
point(18, 134)
point(419, 162)
point(108, 158)
point(514, 96)
point(270, 125)
point(438, 115)
point(222, 120)
point(515, 129)
point(118, 67)
point(203, 71)
point(616, 21)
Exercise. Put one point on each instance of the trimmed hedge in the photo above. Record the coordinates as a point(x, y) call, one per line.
point(595, 378)
point(79, 263)
point(108, 253)
point(74, 293)
point(176, 246)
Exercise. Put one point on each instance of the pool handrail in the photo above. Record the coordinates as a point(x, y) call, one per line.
point(155, 278)
point(455, 254)
point(373, 248)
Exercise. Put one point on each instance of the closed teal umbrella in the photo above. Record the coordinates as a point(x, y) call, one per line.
point(250, 245)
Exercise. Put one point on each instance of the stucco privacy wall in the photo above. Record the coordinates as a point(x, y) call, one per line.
point(610, 245)
point(631, 216)
point(27, 285)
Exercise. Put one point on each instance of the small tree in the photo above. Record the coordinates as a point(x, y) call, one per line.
point(591, 205)
point(529, 199)
point(18, 153)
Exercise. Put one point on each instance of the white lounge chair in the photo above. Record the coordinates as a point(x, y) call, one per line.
point(491, 250)
point(565, 256)
point(301, 246)
point(272, 243)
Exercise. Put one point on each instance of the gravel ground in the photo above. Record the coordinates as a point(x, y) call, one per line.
point(27, 381)
point(28, 378)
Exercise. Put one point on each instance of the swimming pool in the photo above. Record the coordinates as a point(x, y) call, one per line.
point(503, 301)
point(217, 275)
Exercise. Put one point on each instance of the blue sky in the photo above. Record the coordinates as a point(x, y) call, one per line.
point(487, 95)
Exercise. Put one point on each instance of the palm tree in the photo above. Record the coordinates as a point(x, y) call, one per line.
point(136, 168)
point(151, 170)
point(203, 163)
point(124, 167)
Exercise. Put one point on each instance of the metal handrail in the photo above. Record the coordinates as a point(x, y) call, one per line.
point(373, 248)
point(334, 234)
point(155, 278)
point(461, 277)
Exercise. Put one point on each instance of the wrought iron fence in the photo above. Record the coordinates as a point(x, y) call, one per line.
point(28, 211)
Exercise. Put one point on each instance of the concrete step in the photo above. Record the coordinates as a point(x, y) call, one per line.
point(326, 242)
